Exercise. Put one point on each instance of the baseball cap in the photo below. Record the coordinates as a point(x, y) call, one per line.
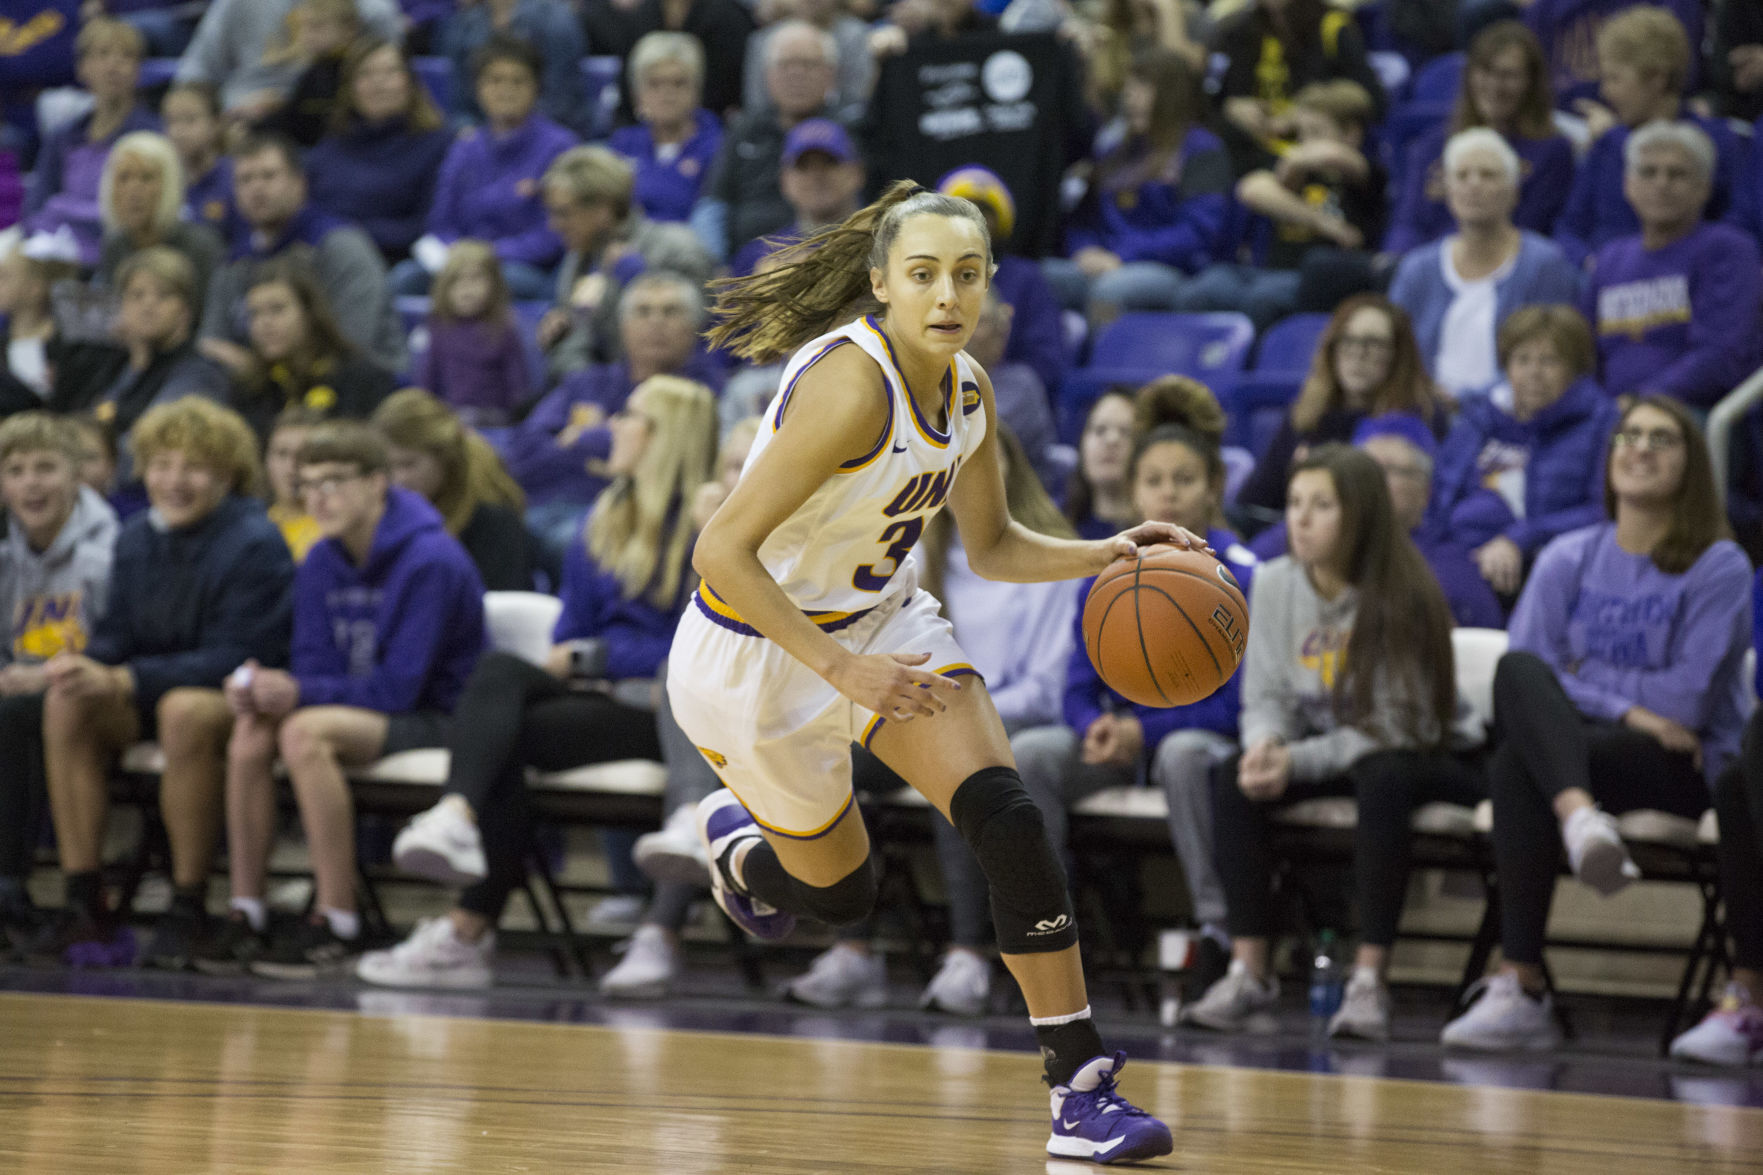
point(818, 134)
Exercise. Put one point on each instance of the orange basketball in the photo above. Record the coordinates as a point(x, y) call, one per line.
point(1166, 628)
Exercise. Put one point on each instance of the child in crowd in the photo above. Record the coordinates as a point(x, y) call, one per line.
point(281, 463)
point(1323, 196)
point(25, 282)
point(475, 360)
point(191, 112)
point(98, 456)
point(320, 33)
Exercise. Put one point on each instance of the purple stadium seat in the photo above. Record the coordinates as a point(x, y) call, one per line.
point(600, 78)
point(1287, 346)
point(1438, 79)
point(1138, 347)
point(157, 71)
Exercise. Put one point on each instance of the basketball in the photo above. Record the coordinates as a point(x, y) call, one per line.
point(1166, 628)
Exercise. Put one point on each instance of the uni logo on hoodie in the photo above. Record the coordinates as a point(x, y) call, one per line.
point(45, 625)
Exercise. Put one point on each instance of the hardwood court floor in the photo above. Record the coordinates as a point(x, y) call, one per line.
point(117, 1086)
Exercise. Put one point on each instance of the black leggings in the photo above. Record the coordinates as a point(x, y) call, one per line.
point(1546, 746)
point(1738, 798)
point(511, 716)
point(1388, 786)
point(22, 792)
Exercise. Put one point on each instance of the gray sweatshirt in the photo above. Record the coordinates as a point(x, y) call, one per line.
point(52, 599)
point(1297, 647)
point(227, 49)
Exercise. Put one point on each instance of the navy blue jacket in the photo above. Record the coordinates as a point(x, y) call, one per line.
point(381, 176)
point(400, 632)
point(1566, 444)
point(636, 633)
point(187, 607)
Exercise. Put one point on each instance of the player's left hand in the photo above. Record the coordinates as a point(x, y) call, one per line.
point(1126, 544)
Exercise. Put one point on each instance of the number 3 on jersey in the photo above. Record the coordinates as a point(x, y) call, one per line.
point(901, 537)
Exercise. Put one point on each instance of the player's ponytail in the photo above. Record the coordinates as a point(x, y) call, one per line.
point(810, 287)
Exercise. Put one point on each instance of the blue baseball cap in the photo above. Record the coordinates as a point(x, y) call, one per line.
point(818, 134)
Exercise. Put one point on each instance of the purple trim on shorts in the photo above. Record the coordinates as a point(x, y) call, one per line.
point(722, 621)
point(827, 831)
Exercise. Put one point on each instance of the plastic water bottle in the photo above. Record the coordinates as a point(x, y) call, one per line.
point(1327, 984)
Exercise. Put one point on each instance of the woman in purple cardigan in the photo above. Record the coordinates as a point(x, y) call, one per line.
point(1622, 690)
point(625, 581)
point(1505, 87)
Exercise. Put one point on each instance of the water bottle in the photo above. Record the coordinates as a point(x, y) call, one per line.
point(1327, 984)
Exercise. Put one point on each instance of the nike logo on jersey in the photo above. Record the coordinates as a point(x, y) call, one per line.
point(899, 448)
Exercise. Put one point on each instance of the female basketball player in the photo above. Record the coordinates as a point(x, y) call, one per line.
point(809, 631)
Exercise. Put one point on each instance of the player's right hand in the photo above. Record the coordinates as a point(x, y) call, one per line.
point(890, 685)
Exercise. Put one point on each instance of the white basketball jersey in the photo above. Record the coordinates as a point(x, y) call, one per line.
point(839, 552)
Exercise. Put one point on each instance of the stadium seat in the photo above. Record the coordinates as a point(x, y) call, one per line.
point(1140, 346)
point(1287, 346)
point(1438, 79)
point(521, 623)
point(157, 71)
point(600, 77)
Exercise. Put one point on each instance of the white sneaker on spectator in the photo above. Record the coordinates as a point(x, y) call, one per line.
point(1230, 1004)
point(1730, 1034)
point(962, 985)
point(442, 845)
point(1365, 1008)
point(1504, 1018)
point(676, 853)
point(433, 956)
point(1596, 852)
point(842, 977)
point(650, 962)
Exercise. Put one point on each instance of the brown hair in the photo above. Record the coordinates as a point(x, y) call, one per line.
point(1649, 40)
point(1406, 388)
point(104, 32)
point(1565, 329)
point(206, 93)
point(40, 432)
point(1399, 652)
point(1697, 521)
point(1347, 102)
point(817, 283)
point(420, 113)
point(169, 268)
point(1180, 399)
point(1536, 112)
point(1080, 495)
point(471, 472)
point(461, 256)
point(205, 432)
point(348, 442)
point(1177, 104)
point(324, 337)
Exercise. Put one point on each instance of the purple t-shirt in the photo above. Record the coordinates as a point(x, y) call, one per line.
point(1620, 633)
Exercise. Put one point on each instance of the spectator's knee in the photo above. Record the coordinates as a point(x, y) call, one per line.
point(302, 741)
point(1515, 672)
point(193, 721)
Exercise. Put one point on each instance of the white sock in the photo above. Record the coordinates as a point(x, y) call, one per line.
point(1368, 974)
point(1055, 1021)
point(253, 910)
point(343, 923)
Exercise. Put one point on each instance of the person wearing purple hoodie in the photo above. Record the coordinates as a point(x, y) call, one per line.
point(490, 180)
point(557, 452)
point(388, 624)
point(1524, 462)
point(1622, 689)
point(1676, 307)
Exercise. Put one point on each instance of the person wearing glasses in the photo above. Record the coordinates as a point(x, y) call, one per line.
point(1622, 689)
point(1461, 287)
point(1524, 462)
point(1676, 305)
point(388, 624)
point(1366, 363)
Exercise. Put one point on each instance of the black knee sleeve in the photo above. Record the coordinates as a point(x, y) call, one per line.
point(1031, 906)
point(846, 901)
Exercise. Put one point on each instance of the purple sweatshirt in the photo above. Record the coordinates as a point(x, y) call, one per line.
point(1176, 218)
point(667, 189)
point(489, 189)
point(400, 632)
point(1620, 633)
point(1087, 698)
point(637, 634)
point(479, 368)
point(1681, 320)
point(1545, 171)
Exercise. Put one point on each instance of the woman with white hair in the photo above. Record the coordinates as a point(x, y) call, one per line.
point(140, 195)
point(674, 140)
point(1676, 306)
point(1459, 289)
